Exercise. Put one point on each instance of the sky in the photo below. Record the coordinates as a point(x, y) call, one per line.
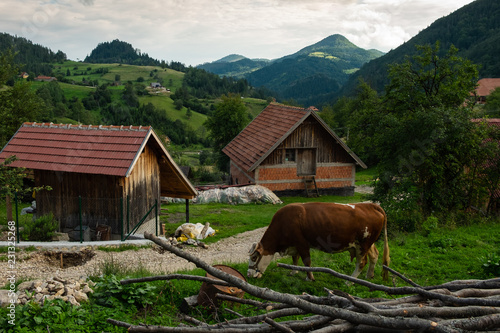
point(198, 31)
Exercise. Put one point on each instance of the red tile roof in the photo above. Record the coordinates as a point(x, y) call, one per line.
point(106, 150)
point(273, 125)
point(486, 86)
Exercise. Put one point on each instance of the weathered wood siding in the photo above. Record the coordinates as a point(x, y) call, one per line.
point(310, 135)
point(101, 195)
point(100, 198)
point(142, 186)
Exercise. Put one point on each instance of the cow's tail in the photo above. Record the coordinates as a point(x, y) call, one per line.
point(387, 259)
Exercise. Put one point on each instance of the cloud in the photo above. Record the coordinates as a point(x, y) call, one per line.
point(197, 31)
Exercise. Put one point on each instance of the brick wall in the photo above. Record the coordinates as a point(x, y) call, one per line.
point(283, 178)
point(238, 176)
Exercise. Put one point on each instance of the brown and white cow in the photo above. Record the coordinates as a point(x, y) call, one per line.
point(329, 227)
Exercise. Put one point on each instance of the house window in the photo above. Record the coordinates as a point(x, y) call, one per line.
point(290, 155)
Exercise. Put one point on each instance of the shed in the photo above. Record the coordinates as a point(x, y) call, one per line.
point(292, 151)
point(103, 175)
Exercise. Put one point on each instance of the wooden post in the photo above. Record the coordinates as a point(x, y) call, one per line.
point(187, 210)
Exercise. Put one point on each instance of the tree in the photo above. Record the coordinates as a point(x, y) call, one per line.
point(357, 119)
point(227, 121)
point(18, 103)
point(425, 137)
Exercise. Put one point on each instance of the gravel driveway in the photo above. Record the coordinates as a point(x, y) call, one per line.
point(36, 265)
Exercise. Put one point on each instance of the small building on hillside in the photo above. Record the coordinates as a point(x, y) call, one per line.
point(99, 175)
point(292, 151)
point(485, 87)
point(44, 78)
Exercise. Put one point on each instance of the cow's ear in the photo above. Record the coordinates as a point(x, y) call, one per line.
point(252, 249)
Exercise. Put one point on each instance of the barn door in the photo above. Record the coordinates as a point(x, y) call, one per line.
point(306, 162)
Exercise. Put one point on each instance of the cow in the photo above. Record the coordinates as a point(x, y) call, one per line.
point(329, 227)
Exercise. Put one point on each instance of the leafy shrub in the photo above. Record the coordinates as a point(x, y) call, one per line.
point(430, 224)
point(42, 229)
point(109, 291)
point(491, 265)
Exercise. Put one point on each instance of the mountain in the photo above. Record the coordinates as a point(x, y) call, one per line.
point(474, 29)
point(309, 77)
point(119, 52)
point(234, 65)
point(312, 74)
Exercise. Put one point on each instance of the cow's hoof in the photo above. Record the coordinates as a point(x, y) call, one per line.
point(293, 273)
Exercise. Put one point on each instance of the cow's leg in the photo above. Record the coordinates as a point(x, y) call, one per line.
point(306, 260)
point(360, 263)
point(295, 259)
point(373, 257)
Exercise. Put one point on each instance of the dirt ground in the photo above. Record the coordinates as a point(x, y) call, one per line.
point(47, 263)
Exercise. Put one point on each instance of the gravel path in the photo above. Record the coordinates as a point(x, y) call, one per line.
point(36, 265)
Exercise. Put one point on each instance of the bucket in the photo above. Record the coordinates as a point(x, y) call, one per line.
point(206, 296)
point(103, 232)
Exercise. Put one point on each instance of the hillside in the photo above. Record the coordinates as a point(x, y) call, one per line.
point(34, 58)
point(474, 29)
point(119, 52)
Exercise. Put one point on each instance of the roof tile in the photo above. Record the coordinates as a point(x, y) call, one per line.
point(107, 150)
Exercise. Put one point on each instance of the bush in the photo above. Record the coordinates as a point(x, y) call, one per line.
point(491, 265)
point(42, 229)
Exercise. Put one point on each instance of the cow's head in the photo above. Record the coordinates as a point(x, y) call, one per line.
point(257, 263)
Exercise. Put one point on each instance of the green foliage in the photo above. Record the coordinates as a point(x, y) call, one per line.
point(226, 122)
point(42, 229)
point(18, 103)
point(430, 224)
point(424, 138)
point(491, 265)
point(110, 291)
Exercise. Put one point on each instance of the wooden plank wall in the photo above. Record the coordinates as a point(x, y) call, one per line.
point(310, 135)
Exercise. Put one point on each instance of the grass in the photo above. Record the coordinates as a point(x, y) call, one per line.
point(365, 176)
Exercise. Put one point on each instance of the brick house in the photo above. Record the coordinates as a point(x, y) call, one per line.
point(292, 151)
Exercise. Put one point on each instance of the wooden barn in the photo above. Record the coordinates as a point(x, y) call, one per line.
point(100, 175)
point(292, 151)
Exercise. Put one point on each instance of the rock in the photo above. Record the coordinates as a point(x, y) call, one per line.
point(27, 285)
point(4, 297)
point(73, 300)
point(86, 289)
point(72, 291)
point(81, 296)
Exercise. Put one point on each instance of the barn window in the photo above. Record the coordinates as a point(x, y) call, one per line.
point(290, 155)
